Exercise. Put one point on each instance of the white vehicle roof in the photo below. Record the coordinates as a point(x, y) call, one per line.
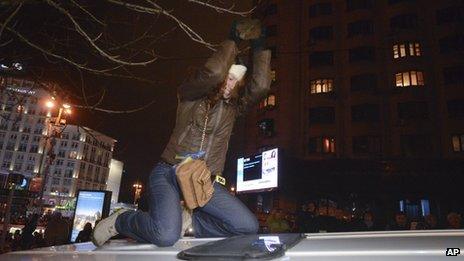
point(401, 245)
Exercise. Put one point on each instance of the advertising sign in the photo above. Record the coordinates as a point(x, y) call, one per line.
point(91, 206)
point(258, 172)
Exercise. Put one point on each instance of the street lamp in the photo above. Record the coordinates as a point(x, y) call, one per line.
point(52, 133)
point(67, 108)
point(49, 104)
point(138, 189)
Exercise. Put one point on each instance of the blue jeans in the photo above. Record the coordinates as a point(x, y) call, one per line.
point(224, 215)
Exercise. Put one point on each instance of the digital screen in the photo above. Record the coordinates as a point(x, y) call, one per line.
point(89, 208)
point(258, 172)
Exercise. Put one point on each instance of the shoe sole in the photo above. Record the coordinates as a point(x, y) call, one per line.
point(93, 231)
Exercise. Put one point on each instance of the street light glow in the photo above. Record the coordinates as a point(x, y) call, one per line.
point(50, 104)
point(66, 106)
point(68, 111)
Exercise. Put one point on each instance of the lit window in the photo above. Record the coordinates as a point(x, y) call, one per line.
point(273, 75)
point(321, 86)
point(73, 155)
point(411, 78)
point(268, 102)
point(406, 49)
point(322, 145)
point(329, 145)
point(458, 143)
point(271, 100)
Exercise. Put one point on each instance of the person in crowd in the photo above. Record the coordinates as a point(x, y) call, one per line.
point(8, 242)
point(431, 222)
point(401, 222)
point(453, 220)
point(350, 222)
point(416, 224)
point(341, 224)
point(311, 224)
point(302, 215)
point(38, 240)
point(27, 239)
point(16, 242)
point(312, 208)
point(368, 223)
point(276, 222)
point(326, 220)
point(56, 231)
point(85, 234)
point(291, 220)
point(209, 101)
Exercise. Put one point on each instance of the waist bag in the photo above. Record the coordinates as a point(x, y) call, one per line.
point(194, 179)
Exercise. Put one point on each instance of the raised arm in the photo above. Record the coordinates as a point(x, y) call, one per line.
point(259, 85)
point(202, 81)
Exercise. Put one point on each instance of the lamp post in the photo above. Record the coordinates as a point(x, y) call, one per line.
point(138, 189)
point(50, 140)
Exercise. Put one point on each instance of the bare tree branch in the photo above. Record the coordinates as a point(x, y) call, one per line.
point(103, 72)
point(222, 9)
point(100, 100)
point(83, 88)
point(88, 13)
point(159, 10)
point(9, 18)
point(6, 43)
point(60, 57)
point(81, 31)
point(115, 111)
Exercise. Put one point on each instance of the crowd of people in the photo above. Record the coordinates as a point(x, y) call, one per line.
point(312, 219)
point(57, 231)
point(308, 219)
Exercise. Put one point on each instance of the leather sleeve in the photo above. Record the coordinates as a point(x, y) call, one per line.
point(260, 83)
point(214, 71)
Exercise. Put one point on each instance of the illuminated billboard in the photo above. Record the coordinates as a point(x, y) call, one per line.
point(258, 172)
point(91, 206)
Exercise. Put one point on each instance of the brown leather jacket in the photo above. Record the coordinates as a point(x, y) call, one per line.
point(193, 102)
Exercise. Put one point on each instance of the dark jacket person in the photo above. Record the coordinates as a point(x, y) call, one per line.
point(209, 102)
point(84, 234)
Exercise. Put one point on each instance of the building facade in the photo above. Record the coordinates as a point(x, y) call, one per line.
point(371, 86)
point(114, 179)
point(82, 161)
point(81, 155)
